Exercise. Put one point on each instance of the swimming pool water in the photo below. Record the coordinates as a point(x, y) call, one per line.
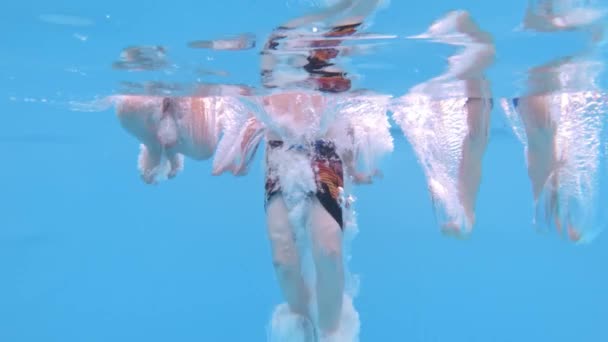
point(90, 253)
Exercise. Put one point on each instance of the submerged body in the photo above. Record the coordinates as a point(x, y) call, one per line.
point(560, 119)
point(540, 123)
point(317, 198)
point(313, 144)
point(447, 121)
point(168, 129)
point(200, 126)
point(562, 138)
point(474, 145)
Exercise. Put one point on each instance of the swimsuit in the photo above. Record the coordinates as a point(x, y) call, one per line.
point(327, 168)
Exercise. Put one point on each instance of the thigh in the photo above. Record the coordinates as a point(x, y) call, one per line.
point(280, 231)
point(478, 116)
point(326, 233)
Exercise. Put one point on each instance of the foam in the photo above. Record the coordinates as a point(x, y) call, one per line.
point(350, 325)
point(286, 326)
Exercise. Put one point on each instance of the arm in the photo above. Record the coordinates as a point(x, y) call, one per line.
point(238, 147)
point(252, 134)
point(350, 157)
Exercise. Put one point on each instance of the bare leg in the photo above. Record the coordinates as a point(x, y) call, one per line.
point(473, 148)
point(553, 212)
point(535, 112)
point(327, 252)
point(176, 161)
point(149, 161)
point(285, 256)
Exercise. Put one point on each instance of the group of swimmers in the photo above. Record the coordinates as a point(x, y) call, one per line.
point(321, 136)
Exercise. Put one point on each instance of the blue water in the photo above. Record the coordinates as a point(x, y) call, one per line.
point(90, 253)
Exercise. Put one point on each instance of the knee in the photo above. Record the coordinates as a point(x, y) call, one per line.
point(286, 265)
point(284, 253)
point(284, 258)
point(328, 242)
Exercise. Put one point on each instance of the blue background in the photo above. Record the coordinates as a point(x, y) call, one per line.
point(90, 253)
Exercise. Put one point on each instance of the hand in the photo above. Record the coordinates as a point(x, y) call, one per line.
point(360, 178)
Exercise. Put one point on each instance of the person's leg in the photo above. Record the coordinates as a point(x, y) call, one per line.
point(176, 163)
point(327, 251)
point(149, 162)
point(136, 115)
point(473, 147)
point(535, 112)
point(285, 256)
point(543, 164)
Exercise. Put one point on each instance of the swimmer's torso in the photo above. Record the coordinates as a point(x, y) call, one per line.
point(297, 116)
